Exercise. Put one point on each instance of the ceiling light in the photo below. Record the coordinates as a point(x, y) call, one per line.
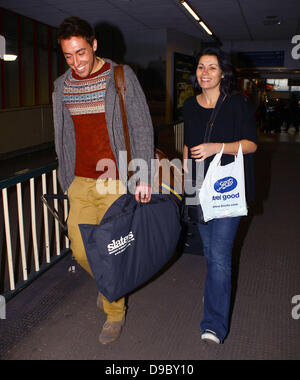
point(271, 20)
point(205, 28)
point(196, 17)
point(3, 55)
point(10, 57)
point(190, 10)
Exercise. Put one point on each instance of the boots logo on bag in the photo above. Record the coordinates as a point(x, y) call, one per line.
point(119, 246)
point(225, 185)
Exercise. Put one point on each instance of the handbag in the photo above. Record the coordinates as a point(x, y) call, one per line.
point(222, 194)
point(191, 208)
point(134, 240)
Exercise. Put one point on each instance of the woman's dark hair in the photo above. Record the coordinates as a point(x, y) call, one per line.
point(229, 82)
point(75, 27)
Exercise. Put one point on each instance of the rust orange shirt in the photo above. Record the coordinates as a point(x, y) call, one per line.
point(85, 99)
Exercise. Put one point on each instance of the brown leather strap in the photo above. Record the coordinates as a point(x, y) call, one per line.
point(121, 89)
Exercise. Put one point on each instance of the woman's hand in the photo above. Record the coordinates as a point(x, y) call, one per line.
point(203, 151)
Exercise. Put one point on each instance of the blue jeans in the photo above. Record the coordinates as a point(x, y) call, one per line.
point(218, 238)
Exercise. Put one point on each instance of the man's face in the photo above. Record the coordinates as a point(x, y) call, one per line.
point(80, 55)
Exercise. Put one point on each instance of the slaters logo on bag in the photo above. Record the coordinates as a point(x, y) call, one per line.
point(225, 185)
point(119, 246)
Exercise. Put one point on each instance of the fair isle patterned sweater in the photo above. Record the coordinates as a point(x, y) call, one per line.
point(85, 100)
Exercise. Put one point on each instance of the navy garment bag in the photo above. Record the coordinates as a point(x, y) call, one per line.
point(132, 243)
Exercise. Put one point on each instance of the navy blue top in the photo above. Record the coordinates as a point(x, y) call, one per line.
point(235, 121)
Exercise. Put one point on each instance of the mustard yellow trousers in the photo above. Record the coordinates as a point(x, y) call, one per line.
point(89, 200)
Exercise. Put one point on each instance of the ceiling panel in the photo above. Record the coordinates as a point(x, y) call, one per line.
point(225, 20)
point(229, 19)
point(262, 18)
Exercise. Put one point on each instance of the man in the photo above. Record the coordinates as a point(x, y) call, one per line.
point(88, 129)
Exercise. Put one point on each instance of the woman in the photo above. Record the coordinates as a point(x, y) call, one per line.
point(234, 125)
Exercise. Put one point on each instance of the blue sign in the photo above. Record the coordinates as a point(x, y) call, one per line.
point(261, 59)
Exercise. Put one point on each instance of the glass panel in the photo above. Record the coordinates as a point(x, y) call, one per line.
point(28, 61)
point(55, 55)
point(11, 69)
point(10, 31)
point(42, 51)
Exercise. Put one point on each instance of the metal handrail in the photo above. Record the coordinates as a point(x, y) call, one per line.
point(17, 252)
point(177, 127)
point(33, 173)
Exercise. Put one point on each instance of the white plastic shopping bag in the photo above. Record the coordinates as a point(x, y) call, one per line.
point(222, 194)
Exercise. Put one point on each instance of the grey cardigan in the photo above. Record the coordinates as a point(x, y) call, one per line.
point(139, 124)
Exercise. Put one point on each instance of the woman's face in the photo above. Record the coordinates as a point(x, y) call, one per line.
point(209, 73)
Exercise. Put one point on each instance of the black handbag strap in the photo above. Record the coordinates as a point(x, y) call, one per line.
point(210, 123)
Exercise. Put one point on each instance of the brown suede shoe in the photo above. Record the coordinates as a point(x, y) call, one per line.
point(111, 331)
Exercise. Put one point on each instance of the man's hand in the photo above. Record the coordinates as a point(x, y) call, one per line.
point(143, 193)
